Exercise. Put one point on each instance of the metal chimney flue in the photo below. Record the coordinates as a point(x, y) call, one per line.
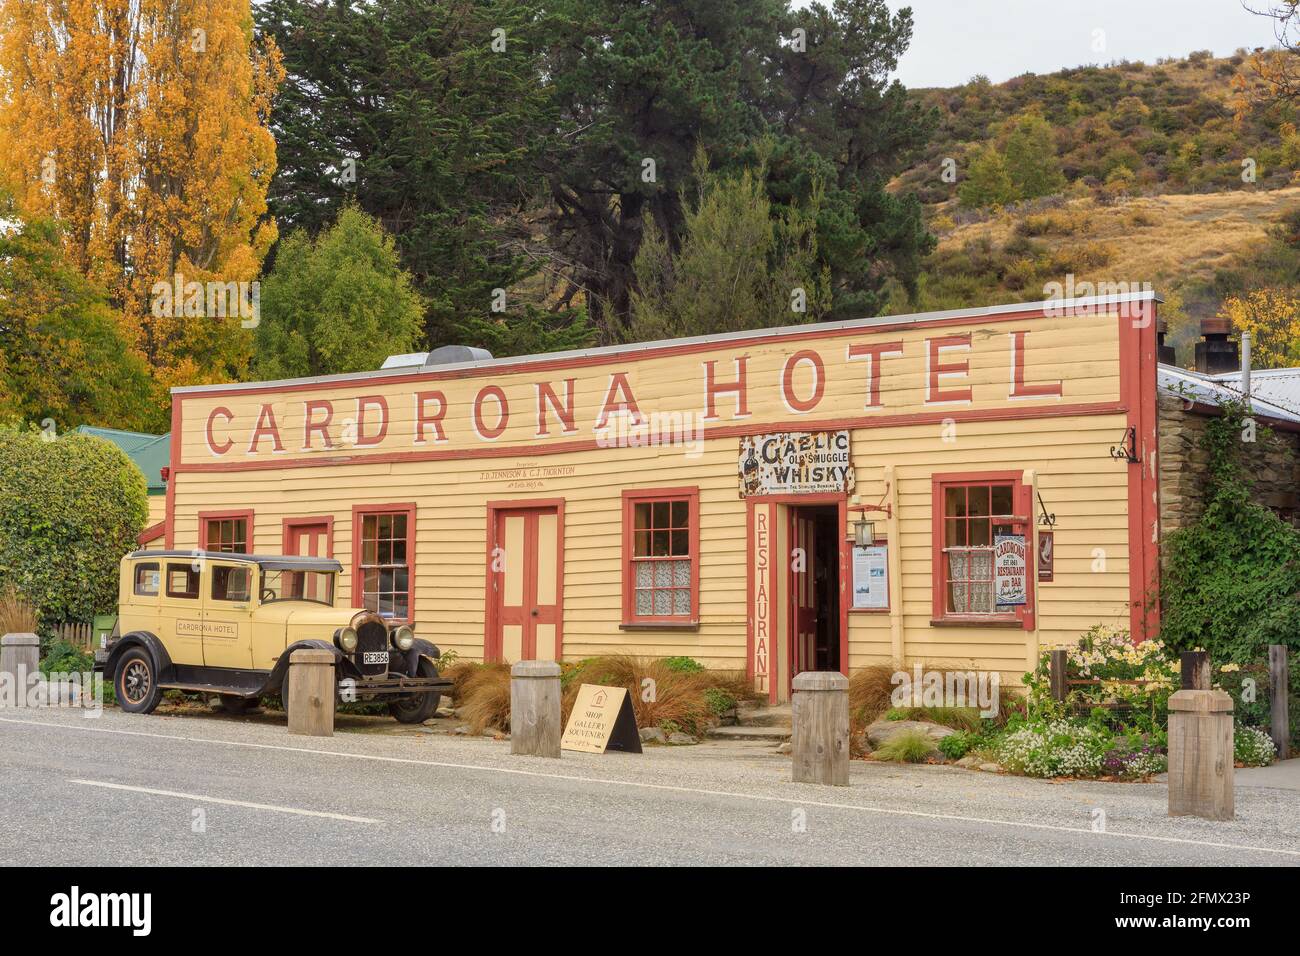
point(1216, 353)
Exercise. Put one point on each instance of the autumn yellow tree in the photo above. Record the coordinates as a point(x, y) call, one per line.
point(1272, 317)
point(141, 126)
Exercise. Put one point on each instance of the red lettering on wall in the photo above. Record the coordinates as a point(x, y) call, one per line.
point(934, 368)
point(424, 420)
point(618, 398)
point(503, 417)
point(1018, 387)
point(365, 403)
point(221, 449)
point(739, 388)
point(874, 354)
point(794, 403)
point(310, 426)
point(266, 425)
point(546, 398)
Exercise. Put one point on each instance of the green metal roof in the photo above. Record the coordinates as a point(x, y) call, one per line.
point(151, 453)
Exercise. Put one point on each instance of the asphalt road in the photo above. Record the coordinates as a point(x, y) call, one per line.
point(125, 789)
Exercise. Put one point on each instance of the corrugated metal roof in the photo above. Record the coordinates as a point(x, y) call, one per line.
point(1279, 386)
point(1063, 305)
point(151, 453)
point(1215, 389)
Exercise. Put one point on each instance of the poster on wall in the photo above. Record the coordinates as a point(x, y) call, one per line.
point(795, 463)
point(871, 577)
point(1046, 554)
point(1009, 569)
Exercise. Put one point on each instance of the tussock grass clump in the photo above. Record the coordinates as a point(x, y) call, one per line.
point(483, 695)
point(17, 616)
point(678, 698)
point(958, 718)
point(911, 746)
point(870, 688)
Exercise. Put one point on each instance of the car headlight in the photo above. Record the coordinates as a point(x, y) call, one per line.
point(347, 640)
point(403, 638)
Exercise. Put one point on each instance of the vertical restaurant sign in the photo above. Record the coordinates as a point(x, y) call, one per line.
point(1009, 569)
point(784, 463)
point(761, 610)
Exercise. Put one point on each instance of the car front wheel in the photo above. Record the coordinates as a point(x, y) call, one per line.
point(417, 708)
point(135, 683)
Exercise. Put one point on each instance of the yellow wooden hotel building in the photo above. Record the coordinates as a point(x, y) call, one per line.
point(710, 497)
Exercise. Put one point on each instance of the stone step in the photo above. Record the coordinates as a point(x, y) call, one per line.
point(778, 716)
point(773, 735)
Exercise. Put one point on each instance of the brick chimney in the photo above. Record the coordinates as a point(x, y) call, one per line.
point(1216, 353)
point(1164, 352)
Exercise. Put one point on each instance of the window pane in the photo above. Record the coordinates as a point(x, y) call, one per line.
point(681, 602)
point(641, 544)
point(643, 601)
point(979, 532)
point(660, 543)
point(641, 515)
point(977, 500)
point(954, 501)
point(681, 574)
point(663, 574)
point(663, 603)
point(681, 514)
point(681, 542)
point(368, 551)
point(661, 514)
point(1002, 500)
point(644, 573)
point(398, 529)
point(954, 533)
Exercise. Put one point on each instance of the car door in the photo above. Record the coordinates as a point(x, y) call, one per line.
point(180, 610)
point(227, 614)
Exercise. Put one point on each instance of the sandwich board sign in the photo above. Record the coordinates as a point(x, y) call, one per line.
point(601, 719)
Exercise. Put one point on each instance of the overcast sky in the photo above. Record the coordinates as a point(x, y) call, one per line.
point(956, 39)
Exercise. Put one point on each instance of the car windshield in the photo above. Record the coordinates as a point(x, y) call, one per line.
point(315, 586)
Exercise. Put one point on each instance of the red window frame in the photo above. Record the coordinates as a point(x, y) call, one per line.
point(631, 498)
point(205, 517)
point(359, 514)
point(1021, 522)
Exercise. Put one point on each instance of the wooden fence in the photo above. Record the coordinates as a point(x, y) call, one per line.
point(80, 636)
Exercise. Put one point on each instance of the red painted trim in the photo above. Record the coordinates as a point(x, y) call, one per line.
point(288, 524)
point(1138, 391)
point(759, 338)
point(360, 511)
point(151, 533)
point(726, 431)
point(174, 455)
point(630, 497)
point(493, 643)
point(245, 513)
point(1024, 616)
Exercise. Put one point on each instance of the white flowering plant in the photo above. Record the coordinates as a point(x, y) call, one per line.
point(1253, 747)
point(1130, 679)
point(1055, 748)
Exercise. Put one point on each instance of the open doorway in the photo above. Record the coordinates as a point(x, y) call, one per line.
point(814, 534)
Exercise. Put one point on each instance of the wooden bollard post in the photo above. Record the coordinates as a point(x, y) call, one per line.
point(1279, 676)
point(1195, 667)
point(20, 658)
point(820, 731)
point(312, 687)
point(1056, 674)
point(1200, 755)
point(535, 708)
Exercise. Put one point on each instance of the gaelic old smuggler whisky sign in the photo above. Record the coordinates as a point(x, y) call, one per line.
point(795, 463)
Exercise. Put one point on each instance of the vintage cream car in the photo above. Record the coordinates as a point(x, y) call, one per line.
point(226, 624)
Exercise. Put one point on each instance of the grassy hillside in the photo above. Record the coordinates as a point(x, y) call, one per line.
point(1150, 189)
